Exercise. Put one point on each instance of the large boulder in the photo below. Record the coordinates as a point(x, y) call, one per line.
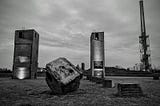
point(62, 76)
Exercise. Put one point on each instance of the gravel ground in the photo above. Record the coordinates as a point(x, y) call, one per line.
point(37, 93)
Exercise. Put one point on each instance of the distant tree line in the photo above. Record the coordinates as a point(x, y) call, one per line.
point(5, 70)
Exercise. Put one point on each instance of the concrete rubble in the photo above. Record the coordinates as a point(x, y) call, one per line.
point(62, 76)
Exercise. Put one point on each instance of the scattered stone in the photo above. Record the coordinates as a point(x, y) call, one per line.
point(62, 76)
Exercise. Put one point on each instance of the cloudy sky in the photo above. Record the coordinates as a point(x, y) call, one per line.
point(65, 27)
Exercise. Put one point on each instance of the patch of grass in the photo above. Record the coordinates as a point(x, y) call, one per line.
point(36, 92)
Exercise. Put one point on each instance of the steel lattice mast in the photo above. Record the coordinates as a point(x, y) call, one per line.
point(144, 42)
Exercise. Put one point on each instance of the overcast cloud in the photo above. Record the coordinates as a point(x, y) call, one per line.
point(65, 27)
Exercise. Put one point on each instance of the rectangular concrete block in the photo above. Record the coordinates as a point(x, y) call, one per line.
point(129, 89)
point(62, 76)
point(107, 83)
point(156, 76)
point(97, 80)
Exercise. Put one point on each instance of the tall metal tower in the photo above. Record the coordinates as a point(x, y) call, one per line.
point(144, 42)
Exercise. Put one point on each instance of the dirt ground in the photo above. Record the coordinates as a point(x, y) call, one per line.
point(37, 93)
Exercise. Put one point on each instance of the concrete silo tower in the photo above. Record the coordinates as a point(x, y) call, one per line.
point(97, 62)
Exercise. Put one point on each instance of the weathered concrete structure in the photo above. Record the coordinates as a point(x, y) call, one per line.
point(62, 76)
point(83, 66)
point(25, 61)
point(97, 62)
point(129, 89)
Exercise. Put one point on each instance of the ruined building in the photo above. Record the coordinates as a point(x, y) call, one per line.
point(25, 61)
point(97, 62)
